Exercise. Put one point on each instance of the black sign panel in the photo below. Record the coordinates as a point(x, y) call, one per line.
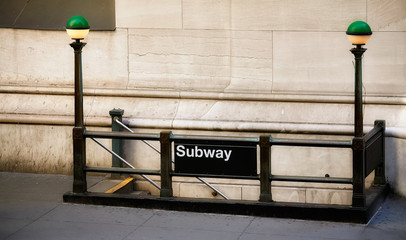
point(216, 157)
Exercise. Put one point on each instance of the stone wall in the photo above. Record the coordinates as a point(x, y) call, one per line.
point(208, 67)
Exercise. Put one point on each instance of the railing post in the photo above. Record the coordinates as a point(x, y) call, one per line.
point(265, 169)
point(117, 144)
point(380, 177)
point(79, 160)
point(358, 166)
point(166, 164)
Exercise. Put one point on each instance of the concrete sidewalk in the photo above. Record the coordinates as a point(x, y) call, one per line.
point(31, 207)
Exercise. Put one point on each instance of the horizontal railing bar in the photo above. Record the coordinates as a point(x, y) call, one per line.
point(372, 133)
point(272, 178)
point(210, 138)
point(274, 141)
point(310, 179)
point(214, 176)
point(122, 170)
point(122, 135)
point(311, 143)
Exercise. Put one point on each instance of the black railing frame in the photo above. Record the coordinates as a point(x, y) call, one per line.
point(359, 146)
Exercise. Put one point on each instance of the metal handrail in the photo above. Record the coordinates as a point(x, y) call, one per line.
point(120, 135)
point(158, 151)
point(274, 178)
point(120, 170)
point(253, 140)
point(311, 179)
point(124, 161)
point(311, 143)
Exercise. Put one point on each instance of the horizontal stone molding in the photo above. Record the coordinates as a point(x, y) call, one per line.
point(237, 96)
point(200, 125)
point(51, 120)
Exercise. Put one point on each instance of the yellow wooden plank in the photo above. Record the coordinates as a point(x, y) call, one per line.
point(120, 185)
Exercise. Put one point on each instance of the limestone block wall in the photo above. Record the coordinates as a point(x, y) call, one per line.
point(218, 67)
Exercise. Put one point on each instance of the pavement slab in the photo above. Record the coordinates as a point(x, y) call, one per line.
point(31, 207)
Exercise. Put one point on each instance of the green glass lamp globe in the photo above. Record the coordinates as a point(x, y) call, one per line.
point(77, 27)
point(359, 32)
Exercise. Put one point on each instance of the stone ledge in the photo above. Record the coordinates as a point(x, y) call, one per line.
point(198, 125)
point(240, 96)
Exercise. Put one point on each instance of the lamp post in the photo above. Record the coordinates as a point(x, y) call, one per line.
point(358, 33)
point(77, 28)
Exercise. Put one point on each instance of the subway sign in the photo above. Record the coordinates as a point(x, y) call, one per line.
point(215, 157)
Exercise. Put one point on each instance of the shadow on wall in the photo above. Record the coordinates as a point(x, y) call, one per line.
point(40, 14)
point(396, 166)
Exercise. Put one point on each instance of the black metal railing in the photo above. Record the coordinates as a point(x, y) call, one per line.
point(368, 155)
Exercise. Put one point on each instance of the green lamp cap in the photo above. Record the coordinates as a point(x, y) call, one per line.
point(359, 28)
point(77, 22)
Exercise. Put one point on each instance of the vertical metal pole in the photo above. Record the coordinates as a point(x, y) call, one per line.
point(358, 151)
point(79, 142)
point(358, 111)
point(117, 144)
point(79, 160)
point(265, 169)
point(77, 46)
point(380, 177)
point(166, 164)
